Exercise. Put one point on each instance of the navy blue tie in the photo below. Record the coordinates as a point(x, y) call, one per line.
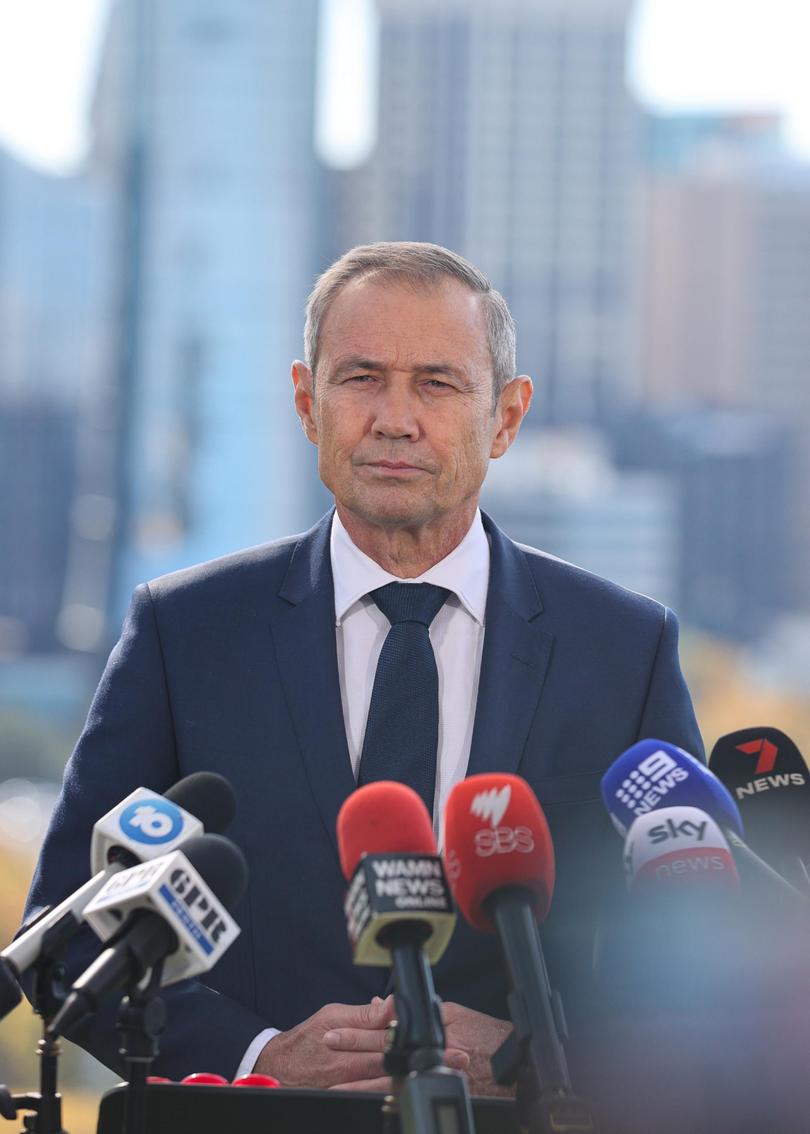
point(402, 730)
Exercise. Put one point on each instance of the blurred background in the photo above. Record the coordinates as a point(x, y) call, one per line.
point(634, 177)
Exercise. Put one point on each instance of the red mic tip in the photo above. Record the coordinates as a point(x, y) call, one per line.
point(496, 835)
point(382, 818)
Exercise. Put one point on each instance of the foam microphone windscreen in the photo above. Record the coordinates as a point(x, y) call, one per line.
point(382, 818)
point(496, 835)
point(208, 796)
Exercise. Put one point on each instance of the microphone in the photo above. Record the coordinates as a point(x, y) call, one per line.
point(397, 887)
point(172, 910)
point(678, 848)
point(141, 827)
point(654, 774)
point(683, 903)
point(399, 913)
point(398, 907)
point(768, 777)
point(500, 861)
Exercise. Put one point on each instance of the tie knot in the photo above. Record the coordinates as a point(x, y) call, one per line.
point(410, 602)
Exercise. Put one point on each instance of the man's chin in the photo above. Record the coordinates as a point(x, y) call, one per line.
point(391, 514)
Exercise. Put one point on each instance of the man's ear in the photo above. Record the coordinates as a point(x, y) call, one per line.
point(305, 399)
point(513, 405)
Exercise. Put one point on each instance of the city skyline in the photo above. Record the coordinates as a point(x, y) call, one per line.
point(690, 56)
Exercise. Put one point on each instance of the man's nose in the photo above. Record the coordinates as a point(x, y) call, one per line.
point(395, 413)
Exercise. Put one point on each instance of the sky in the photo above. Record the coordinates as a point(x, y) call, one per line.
point(695, 54)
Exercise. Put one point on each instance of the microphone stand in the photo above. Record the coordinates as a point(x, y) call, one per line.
point(428, 1098)
point(47, 997)
point(532, 1055)
point(141, 1020)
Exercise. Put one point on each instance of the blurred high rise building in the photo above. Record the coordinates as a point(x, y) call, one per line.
point(726, 308)
point(564, 493)
point(56, 329)
point(506, 132)
point(204, 118)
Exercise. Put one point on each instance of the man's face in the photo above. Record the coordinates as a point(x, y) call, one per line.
point(401, 409)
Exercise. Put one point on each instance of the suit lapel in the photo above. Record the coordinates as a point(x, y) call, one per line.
point(514, 663)
point(513, 667)
point(304, 639)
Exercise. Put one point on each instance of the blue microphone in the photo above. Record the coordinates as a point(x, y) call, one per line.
point(653, 774)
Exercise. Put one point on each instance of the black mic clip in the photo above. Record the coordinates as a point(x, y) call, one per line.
point(42, 1110)
point(141, 1020)
point(540, 1111)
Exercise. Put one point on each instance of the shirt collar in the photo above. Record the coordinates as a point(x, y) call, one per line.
point(464, 572)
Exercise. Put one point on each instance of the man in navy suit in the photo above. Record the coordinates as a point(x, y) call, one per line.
point(261, 666)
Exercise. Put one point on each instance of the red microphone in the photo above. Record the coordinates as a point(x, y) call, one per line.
point(382, 818)
point(495, 835)
point(388, 856)
point(399, 913)
point(500, 862)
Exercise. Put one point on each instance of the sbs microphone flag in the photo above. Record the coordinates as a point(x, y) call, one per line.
point(496, 835)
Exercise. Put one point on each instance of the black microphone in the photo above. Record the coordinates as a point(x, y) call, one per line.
point(172, 909)
point(768, 777)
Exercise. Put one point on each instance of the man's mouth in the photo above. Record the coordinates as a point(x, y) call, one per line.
point(395, 466)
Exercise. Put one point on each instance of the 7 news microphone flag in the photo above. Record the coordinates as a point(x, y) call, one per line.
point(768, 777)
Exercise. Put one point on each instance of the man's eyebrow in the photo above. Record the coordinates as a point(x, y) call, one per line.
point(440, 368)
point(357, 363)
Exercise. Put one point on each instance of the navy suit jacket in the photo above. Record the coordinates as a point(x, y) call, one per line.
point(231, 666)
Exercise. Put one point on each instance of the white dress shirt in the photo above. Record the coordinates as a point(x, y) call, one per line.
point(457, 636)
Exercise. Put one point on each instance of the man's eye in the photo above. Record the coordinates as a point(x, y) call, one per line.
point(438, 384)
point(361, 378)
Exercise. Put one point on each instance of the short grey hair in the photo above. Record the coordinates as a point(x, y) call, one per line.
point(421, 265)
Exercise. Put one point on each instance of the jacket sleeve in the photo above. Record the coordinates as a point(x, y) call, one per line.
point(668, 713)
point(128, 742)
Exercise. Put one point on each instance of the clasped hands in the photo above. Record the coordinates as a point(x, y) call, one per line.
point(341, 1047)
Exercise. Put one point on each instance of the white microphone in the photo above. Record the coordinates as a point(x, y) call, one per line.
point(678, 847)
point(143, 826)
point(173, 910)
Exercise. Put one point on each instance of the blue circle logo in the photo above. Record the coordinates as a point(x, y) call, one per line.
point(152, 821)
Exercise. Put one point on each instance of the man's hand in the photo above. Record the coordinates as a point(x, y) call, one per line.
point(479, 1036)
point(351, 1039)
point(304, 1057)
